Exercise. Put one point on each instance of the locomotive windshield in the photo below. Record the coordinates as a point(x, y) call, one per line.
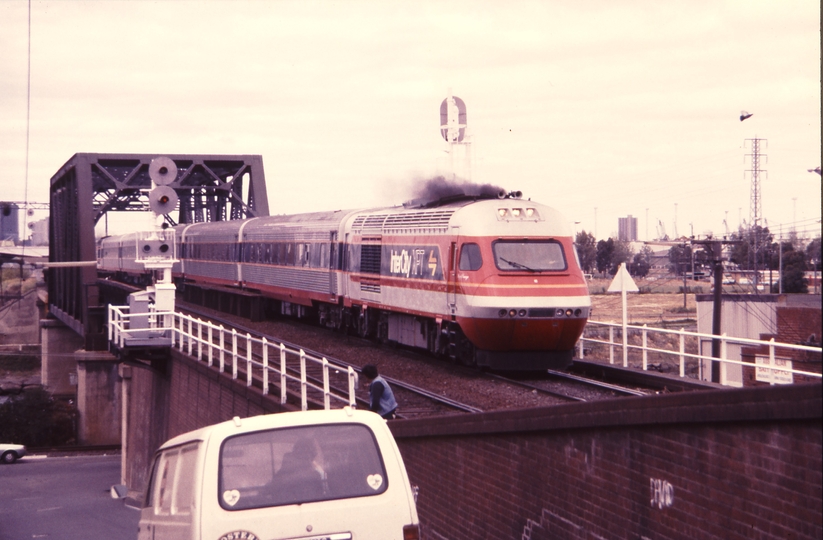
point(529, 255)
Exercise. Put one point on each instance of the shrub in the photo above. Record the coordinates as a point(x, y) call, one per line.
point(35, 418)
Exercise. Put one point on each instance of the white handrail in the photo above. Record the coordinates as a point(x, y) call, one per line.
point(683, 354)
point(185, 331)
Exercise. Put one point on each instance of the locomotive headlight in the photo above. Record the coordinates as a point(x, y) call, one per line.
point(512, 312)
point(529, 212)
point(522, 312)
point(516, 212)
point(577, 312)
point(502, 212)
point(502, 313)
point(569, 312)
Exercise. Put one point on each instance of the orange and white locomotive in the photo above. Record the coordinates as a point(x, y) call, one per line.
point(488, 282)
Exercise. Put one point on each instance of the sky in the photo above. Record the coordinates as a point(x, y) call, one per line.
point(600, 109)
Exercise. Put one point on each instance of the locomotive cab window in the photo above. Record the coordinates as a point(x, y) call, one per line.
point(529, 256)
point(470, 257)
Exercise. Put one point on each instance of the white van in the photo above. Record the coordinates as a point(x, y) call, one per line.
point(315, 475)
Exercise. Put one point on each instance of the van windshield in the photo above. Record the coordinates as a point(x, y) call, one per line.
point(529, 255)
point(298, 465)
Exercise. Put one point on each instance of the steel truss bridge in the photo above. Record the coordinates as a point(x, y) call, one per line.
point(209, 188)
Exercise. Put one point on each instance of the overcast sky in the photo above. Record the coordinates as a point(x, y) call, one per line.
point(598, 108)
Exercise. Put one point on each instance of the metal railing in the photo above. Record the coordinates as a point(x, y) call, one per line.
point(262, 360)
point(771, 367)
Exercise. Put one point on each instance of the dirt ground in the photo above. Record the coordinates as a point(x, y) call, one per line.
point(654, 309)
point(663, 310)
point(651, 309)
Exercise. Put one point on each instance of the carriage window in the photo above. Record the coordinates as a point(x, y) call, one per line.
point(470, 257)
point(529, 256)
point(290, 254)
point(297, 465)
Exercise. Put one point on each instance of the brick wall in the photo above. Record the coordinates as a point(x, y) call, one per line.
point(798, 324)
point(737, 463)
point(732, 464)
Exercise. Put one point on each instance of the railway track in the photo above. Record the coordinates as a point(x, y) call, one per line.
point(416, 401)
point(424, 386)
point(572, 387)
point(617, 389)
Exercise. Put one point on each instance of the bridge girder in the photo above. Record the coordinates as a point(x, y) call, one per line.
point(87, 186)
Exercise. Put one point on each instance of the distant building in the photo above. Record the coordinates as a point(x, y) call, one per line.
point(39, 232)
point(9, 222)
point(627, 229)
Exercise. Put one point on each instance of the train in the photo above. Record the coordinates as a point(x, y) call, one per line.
point(493, 282)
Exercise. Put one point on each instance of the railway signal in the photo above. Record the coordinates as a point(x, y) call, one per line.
point(162, 198)
point(155, 250)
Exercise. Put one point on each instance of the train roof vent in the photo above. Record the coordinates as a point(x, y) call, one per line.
point(429, 219)
point(370, 222)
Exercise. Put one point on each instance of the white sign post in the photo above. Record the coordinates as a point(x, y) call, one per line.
point(623, 283)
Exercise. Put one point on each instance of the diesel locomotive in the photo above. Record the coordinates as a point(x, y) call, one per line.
point(489, 282)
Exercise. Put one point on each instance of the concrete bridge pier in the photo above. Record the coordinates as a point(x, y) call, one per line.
point(89, 378)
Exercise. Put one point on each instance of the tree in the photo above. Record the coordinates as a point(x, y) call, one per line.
point(641, 263)
point(586, 251)
point(794, 271)
point(743, 253)
point(611, 253)
point(622, 254)
point(680, 259)
point(34, 418)
point(813, 254)
point(605, 255)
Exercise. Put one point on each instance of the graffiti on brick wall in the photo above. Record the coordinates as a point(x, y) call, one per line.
point(662, 493)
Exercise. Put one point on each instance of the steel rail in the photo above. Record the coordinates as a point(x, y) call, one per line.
point(599, 384)
point(537, 388)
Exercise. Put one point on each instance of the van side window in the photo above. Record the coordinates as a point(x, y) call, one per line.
point(470, 257)
point(298, 465)
point(184, 479)
point(171, 491)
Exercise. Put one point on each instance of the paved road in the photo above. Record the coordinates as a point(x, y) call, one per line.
point(64, 498)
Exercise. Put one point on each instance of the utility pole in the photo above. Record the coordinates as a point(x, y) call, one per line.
point(715, 247)
point(675, 221)
point(647, 225)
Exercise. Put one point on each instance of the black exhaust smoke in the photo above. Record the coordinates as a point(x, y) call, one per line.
point(439, 190)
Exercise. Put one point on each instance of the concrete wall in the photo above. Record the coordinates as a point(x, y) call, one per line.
point(19, 321)
point(59, 344)
point(98, 399)
point(729, 464)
